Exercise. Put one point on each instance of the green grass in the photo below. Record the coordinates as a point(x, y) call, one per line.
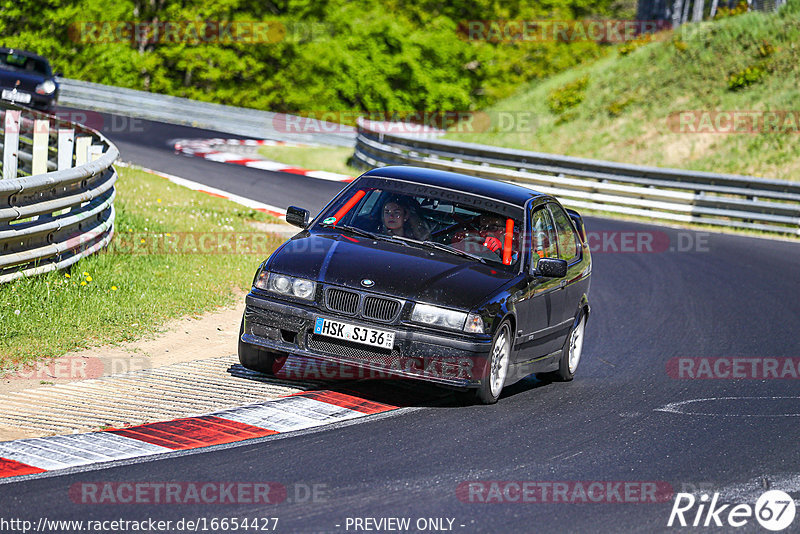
point(129, 291)
point(315, 158)
point(625, 112)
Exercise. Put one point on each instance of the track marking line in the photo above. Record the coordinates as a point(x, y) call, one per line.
point(678, 407)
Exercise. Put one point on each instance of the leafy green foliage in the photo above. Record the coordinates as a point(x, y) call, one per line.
point(746, 77)
point(567, 96)
point(738, 9)
point(324, 55)
point(617, 107)
point(630, 46)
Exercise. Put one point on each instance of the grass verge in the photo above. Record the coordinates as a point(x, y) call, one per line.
point(627, 107)
point(315, 158)
point(176, 252)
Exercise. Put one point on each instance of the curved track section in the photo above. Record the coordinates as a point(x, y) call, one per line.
point(639, 411)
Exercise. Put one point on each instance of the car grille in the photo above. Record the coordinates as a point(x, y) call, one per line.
point(352, 351)
point(380, 309)
point(375, 308)
point(342, 301)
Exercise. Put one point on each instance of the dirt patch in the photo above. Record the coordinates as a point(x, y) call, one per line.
point(211, 335)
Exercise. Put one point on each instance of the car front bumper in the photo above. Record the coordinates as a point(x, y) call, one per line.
point(288, 328)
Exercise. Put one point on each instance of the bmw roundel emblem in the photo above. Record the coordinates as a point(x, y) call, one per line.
point(366, 282)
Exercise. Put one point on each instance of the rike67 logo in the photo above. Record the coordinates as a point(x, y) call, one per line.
point(774, 510)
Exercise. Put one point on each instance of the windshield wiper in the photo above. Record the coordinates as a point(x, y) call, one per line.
point(352, 230)
point(452, 250)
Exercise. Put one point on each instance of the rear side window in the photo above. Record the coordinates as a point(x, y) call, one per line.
point(567, 241)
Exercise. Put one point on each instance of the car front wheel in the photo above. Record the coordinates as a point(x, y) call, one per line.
point(496, 369)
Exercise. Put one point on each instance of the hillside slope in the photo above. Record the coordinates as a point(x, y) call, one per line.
point(666, 102)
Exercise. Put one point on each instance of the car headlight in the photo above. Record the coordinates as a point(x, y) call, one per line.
point(441, 317)
point(286, 285)
point(46, 87)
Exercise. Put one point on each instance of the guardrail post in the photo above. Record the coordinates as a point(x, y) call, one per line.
point(82, 145)
point(41, 138)
point(11, 144)
point(66, 144)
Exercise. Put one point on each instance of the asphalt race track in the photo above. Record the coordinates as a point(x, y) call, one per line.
point(623, 419)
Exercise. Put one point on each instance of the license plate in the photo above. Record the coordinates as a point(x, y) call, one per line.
point(22, 98)
point(357, 334)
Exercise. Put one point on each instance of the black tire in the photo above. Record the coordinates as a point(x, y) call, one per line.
point(495, 371)
point(566, 370)
point(255, 358)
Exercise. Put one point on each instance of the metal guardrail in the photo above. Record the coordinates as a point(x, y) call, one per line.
point(56, 193)
point(653, 192)
point(175, 110)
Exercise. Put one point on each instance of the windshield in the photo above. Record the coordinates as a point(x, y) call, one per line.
point(486, 229)
point(24, 63)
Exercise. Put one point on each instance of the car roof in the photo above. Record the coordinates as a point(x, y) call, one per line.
point(511, 193)
point(6, 50)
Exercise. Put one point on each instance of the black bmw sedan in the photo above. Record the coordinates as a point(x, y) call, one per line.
point(27, 79)
point(424, 274)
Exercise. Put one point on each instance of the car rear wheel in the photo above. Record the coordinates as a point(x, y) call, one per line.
point(255, 358)
point(494, 376)
point(571, 353)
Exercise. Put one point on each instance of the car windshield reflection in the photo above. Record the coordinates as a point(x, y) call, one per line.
point(440, 219)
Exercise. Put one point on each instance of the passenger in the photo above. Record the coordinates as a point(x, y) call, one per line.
point(490, 236)
point(400, 219)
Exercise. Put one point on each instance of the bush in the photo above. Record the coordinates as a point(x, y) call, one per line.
point(630, 46)
point(739, 9)
point(746, 77)
point(568, 96)
point(765, 49)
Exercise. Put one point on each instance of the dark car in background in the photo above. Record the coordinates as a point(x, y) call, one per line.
point(429, 275)
point(26, 79)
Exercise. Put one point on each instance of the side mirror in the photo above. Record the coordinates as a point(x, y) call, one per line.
point(297, 216)
point(551, 268)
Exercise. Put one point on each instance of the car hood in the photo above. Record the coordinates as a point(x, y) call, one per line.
point(27, 81)
point(407, 272)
